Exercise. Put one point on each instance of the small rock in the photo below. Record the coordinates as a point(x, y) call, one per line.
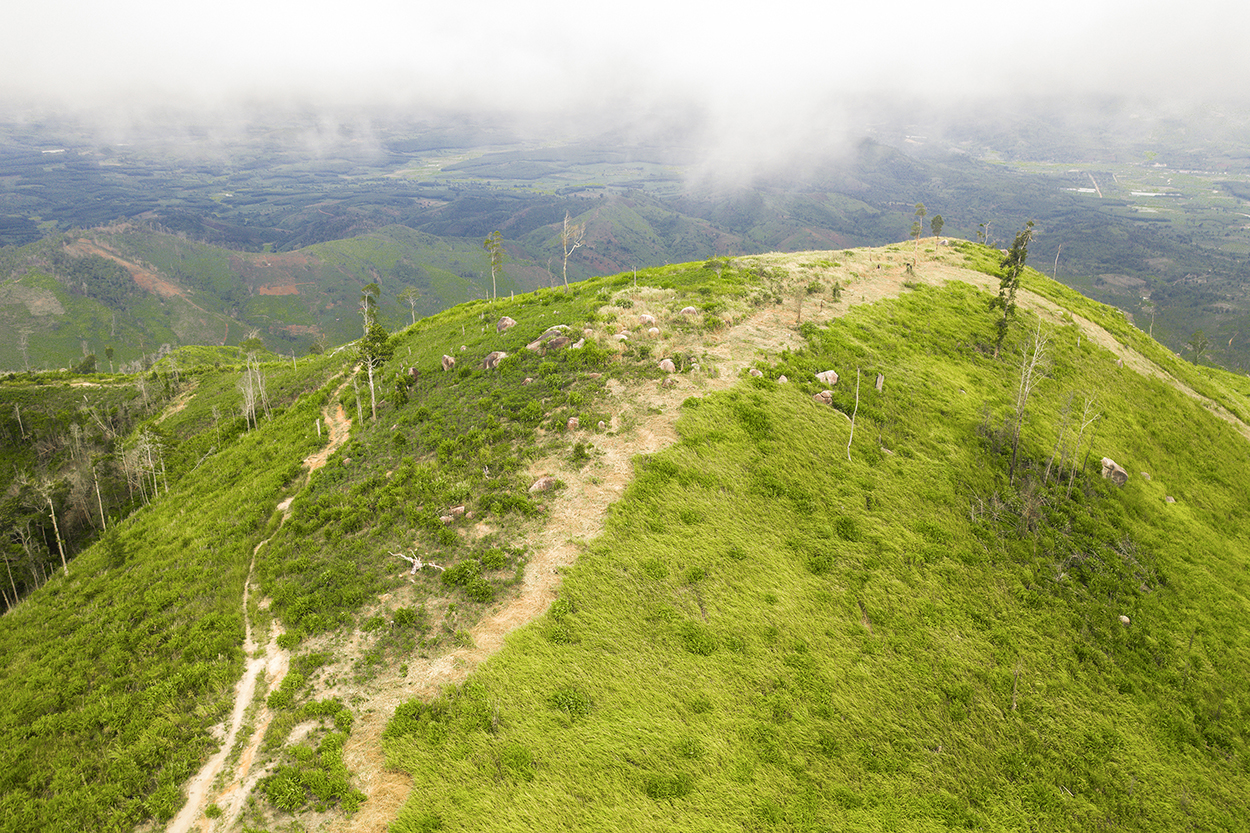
point(668, 382)
point(457, 511)
point(646, 319)
point(448, 362)
point(577, 345)
point(1119, 362)
point(667, 366)
point(493, 359)
point(603, 426)
point(527, 381)
point(543, 484)
point(782, 379)
point(654, 332)
point(1145, 476)
point(880, 382)
point(1170, 499)
point(689, 311)
point(825, 397)
point(504, 324)
point(827, 377)
point(1124, 620)
point(756, 372)
point(622, 336)
point(446, 519)
point(573, 424)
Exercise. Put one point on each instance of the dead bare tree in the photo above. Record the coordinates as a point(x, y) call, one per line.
point(1088, 417)
point(571, 236)
point(1033, 359)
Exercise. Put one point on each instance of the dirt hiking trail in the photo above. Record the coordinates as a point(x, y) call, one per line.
point(272, 661)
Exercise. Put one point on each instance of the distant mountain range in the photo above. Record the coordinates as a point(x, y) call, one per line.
point(260, 233)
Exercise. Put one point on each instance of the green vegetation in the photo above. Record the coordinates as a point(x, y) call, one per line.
point(949, 619)
point(904, 639)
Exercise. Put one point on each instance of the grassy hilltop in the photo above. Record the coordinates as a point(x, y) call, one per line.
point(796, 616)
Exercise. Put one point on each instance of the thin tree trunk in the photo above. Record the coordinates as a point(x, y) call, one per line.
point(60, 545)
point(99, 500)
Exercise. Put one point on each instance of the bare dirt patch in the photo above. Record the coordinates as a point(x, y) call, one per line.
point(147, 279)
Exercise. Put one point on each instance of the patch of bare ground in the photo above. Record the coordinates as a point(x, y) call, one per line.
point(180, 402)
point(271, 661)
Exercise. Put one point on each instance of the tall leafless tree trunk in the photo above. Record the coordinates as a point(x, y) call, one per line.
point(571, 236)
point(1032, 360)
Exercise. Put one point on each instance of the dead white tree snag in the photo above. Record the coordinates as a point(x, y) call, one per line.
point(853, 415)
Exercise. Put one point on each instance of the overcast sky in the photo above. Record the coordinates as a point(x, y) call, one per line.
point(769, 66)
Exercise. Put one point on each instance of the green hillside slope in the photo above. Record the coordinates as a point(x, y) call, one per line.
point(784, 628)
point(852, 614)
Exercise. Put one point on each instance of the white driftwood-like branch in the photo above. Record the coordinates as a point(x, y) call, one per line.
point(416, 562)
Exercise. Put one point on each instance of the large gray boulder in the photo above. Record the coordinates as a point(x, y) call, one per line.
point(1114, 472)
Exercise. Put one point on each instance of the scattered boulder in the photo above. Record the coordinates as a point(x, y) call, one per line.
point(414, 374)
point(527, 381)
point(667, 366)
point(654, 332)
point(457, 511)
point(1169, 499)
point(689, 311)
point(1114, 472)
point(646, 319)
point(505, 323)
point(573, 424)
point(543, 484)
point(1119, 362)
point(1125, 621)
point(545, 341)
point(827, 377)
point(447, 519)
point(448, 362)
point(1145, 476)
point(782, 379)
point(756, 372)
point(880, 382)
point(603, 426)
point(622, 336)
point(492, 360)
point(577, 345)
point(825, 397)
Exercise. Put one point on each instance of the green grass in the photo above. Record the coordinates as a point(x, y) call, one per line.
point(769, 634)
point(771, 637)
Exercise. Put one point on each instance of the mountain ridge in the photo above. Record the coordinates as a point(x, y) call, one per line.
point(927, 453)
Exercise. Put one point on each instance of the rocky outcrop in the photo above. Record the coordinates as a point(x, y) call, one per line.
point(492, 360)
point(504, 323)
